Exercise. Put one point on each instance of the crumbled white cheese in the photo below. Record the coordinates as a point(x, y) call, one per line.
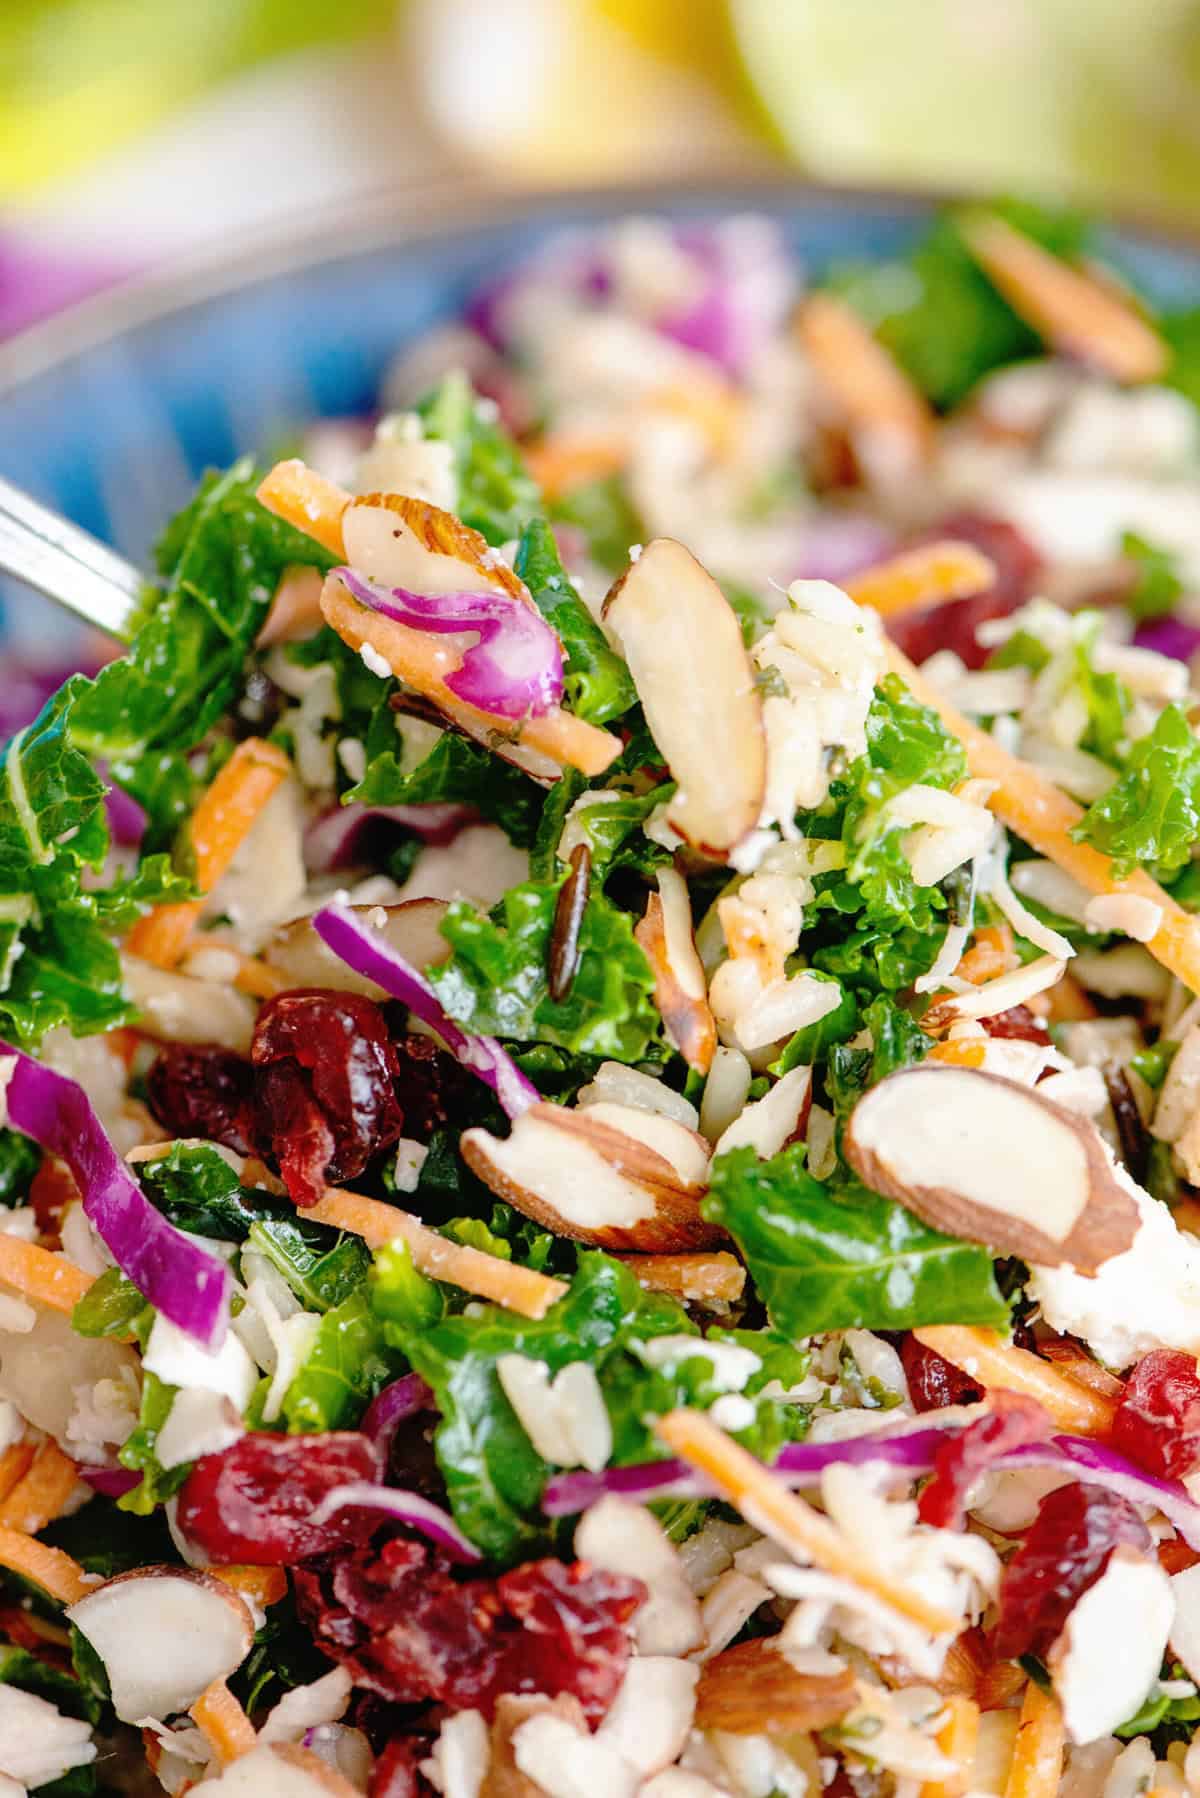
point(623, 1537)
point(410, 1159)
point(459, 1761)
point(178, 1360)
point(730, 1364)
point(374, 662)
point(199, 1423)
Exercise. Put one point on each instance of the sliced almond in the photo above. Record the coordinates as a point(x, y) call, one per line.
point(990, 1160)
point(684, 647)
point(278, 1770)
point(687, 1018)
point(164, 1635)
point(412, 928)
point(576, 1174)
point(770, 1123)
point(409, 543)
point(1111, 1648)
point(504, 1779)
point(753, 1690)
point(1185, 1628)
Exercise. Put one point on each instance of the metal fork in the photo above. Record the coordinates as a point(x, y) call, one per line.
point(68, 565)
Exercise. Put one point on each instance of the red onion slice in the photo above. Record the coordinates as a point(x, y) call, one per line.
point(408, 1508)
point(369, 954)
point(189, 1286)
point(110, 1482)
point(515, 670)
point(404, 1398)
point(332, 839)
point(1096, 1465)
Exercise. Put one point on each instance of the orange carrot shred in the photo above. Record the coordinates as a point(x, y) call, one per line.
point(49, 1568)
point(225, 1725)
point(963, 1052)
point(42, 1275)
point(1037, 1761)
point(14, 1465)
point(306, 499)
point(996, 1363)
point(956, 1738)
point(931, 575)
point(39, 1497)
point(1071, 309)
point(570, 459)
point(219, 825)
point(862, 379)
point(265, 1585)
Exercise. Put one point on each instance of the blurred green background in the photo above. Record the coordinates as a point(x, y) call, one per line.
point(248, 109)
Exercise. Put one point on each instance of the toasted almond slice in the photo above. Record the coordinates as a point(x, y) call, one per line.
point(685, 1151)
point(278, 1770)
point(1072, 310)
point(713, 1279)
point(164, 1635)
point(773, 1121)
point(766, 1503)
point(409, 543)
point(754, 1690)
point(297, 953)
point(991, 997)
point(684, 647)
point(992, 1161)
point(1108, 1656)
point(926, 576)
point(504, 1779)
point(577, 1175)
point(687, 1019)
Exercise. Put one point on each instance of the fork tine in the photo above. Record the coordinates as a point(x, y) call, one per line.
point(65, 563)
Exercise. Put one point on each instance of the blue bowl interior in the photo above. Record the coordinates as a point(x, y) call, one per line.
point(115, 434)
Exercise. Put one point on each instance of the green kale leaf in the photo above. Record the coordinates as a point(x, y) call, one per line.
point(496, 493)
point(349, 1362)
point(1158, 582)
point(1150, 816)
point(599, 686)
point(846, 1260)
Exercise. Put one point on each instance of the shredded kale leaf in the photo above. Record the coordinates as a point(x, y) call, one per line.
point(940, 315)
point(454, 771)
point(349, 1362)
point(1158, 583)
point(1150, 816)
point(603, 511)
point(221, 559)
point(824, 1260)
point(495, 983)
point(599, 686)
point(494, 1476)
point(496, 493)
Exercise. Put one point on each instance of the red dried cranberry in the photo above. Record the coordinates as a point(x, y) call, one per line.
point(953, 626)
point(254, 1502)
point(327, 1104)
point(1012, 1419)
point(1065, 1550)
point(1018, 1021)
point(409, 1630)
point(933, 1381)
point(395, 1774)
point(429, 1085)
point(1158, 1419)
point(203, 1092)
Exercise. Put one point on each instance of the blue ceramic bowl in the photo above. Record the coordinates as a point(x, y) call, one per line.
point(111, 411)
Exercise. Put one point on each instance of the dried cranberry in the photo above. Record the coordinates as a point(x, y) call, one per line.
point(1158, 1419)
point(203, 1092)
point(933, 1381)
point(409, 1630)
point(1018, 1021)
point(953, 626)
point(429, 1084)
point(254, 1502)
point(1065, 1550)
point(1012, 1419)
point(325, 1071)
point(395, 1773)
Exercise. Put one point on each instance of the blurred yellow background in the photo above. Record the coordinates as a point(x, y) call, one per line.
point(134, 129)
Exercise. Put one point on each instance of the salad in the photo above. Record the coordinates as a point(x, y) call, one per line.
point(600, 1181)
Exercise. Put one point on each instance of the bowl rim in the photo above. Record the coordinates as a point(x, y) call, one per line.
point(399, 215)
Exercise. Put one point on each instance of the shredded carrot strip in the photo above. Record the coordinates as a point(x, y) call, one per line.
point(1035, 809)
point(956, 1739)
point(519, 1288)
point(572, 459)
point(220, 824)
point(1067, 1003)
point(865, 383)
point(14, 1465)
point(49, 1568)
point(225, 1725)
point(784, 1516)
point(963, 1052)
point(996, 1363)
point(992, 954)
point(1037, 1761)
point(718, 1277)
point(1070, 309)
point(39, 1497)
point(265, 1585)
point(43, 1275)
point(306, 499)
point(928, 576)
